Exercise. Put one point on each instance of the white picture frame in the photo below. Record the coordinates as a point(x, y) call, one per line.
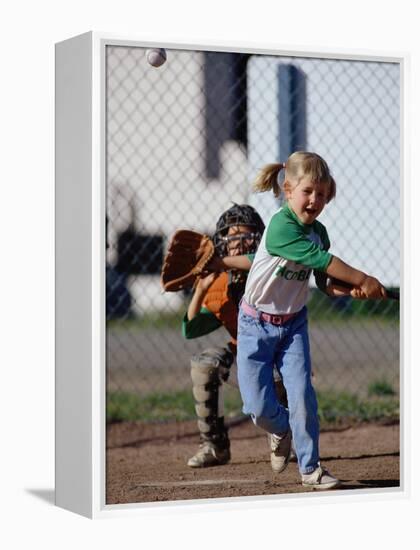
point(80, 275)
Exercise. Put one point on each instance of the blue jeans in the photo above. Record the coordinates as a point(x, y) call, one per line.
point(262, 347)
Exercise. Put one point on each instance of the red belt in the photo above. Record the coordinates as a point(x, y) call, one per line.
point(268, 317)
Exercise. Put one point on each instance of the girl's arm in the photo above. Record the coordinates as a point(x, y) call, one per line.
point(330, 286)
point(336, 290)
point(367, 286)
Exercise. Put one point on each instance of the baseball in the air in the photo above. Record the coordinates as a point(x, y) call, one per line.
point(156, 56)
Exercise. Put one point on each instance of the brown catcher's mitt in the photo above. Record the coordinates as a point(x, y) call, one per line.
point(187, 256)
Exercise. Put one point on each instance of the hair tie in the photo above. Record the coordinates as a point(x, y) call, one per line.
point(279, 180)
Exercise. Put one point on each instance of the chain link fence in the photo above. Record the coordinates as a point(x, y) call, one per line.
point(185, 140)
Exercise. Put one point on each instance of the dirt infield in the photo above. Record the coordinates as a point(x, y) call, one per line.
point(147, 463)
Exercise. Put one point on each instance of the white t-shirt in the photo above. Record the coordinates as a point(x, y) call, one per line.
point(288, 252)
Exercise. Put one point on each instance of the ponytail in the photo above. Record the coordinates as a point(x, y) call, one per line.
point(267, 179)
point(298, 165)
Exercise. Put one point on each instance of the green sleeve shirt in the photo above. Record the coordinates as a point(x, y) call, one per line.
point(304, 244)
point(203, 323)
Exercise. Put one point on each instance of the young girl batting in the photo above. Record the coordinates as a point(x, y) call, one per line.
point(272, 324)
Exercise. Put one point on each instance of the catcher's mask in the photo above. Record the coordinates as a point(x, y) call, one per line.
point(238, 214)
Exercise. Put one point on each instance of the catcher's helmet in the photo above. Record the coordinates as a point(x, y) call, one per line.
point(238, 214)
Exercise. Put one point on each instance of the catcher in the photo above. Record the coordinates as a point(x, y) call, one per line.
point(215, 303)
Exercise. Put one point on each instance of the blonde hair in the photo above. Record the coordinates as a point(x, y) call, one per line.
point(299, 165)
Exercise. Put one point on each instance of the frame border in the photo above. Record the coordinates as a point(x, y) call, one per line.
point(91, 462)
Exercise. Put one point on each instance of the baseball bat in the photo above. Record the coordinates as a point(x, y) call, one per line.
point(390, 294)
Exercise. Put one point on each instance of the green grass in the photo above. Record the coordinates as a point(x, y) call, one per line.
point(162, 406)
point(160, 321)
point(155, 320)
point(334, 408)
point(343, 407)
point(156, 406)
point(380, 388)
point(320, 307)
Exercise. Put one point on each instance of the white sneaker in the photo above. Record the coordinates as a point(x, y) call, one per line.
point(280, 446)
point(209, 455)
point(320, 479)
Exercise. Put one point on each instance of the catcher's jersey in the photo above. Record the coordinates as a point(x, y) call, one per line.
point(289, 250)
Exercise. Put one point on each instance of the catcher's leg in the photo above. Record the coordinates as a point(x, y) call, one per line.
point(208, 371)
